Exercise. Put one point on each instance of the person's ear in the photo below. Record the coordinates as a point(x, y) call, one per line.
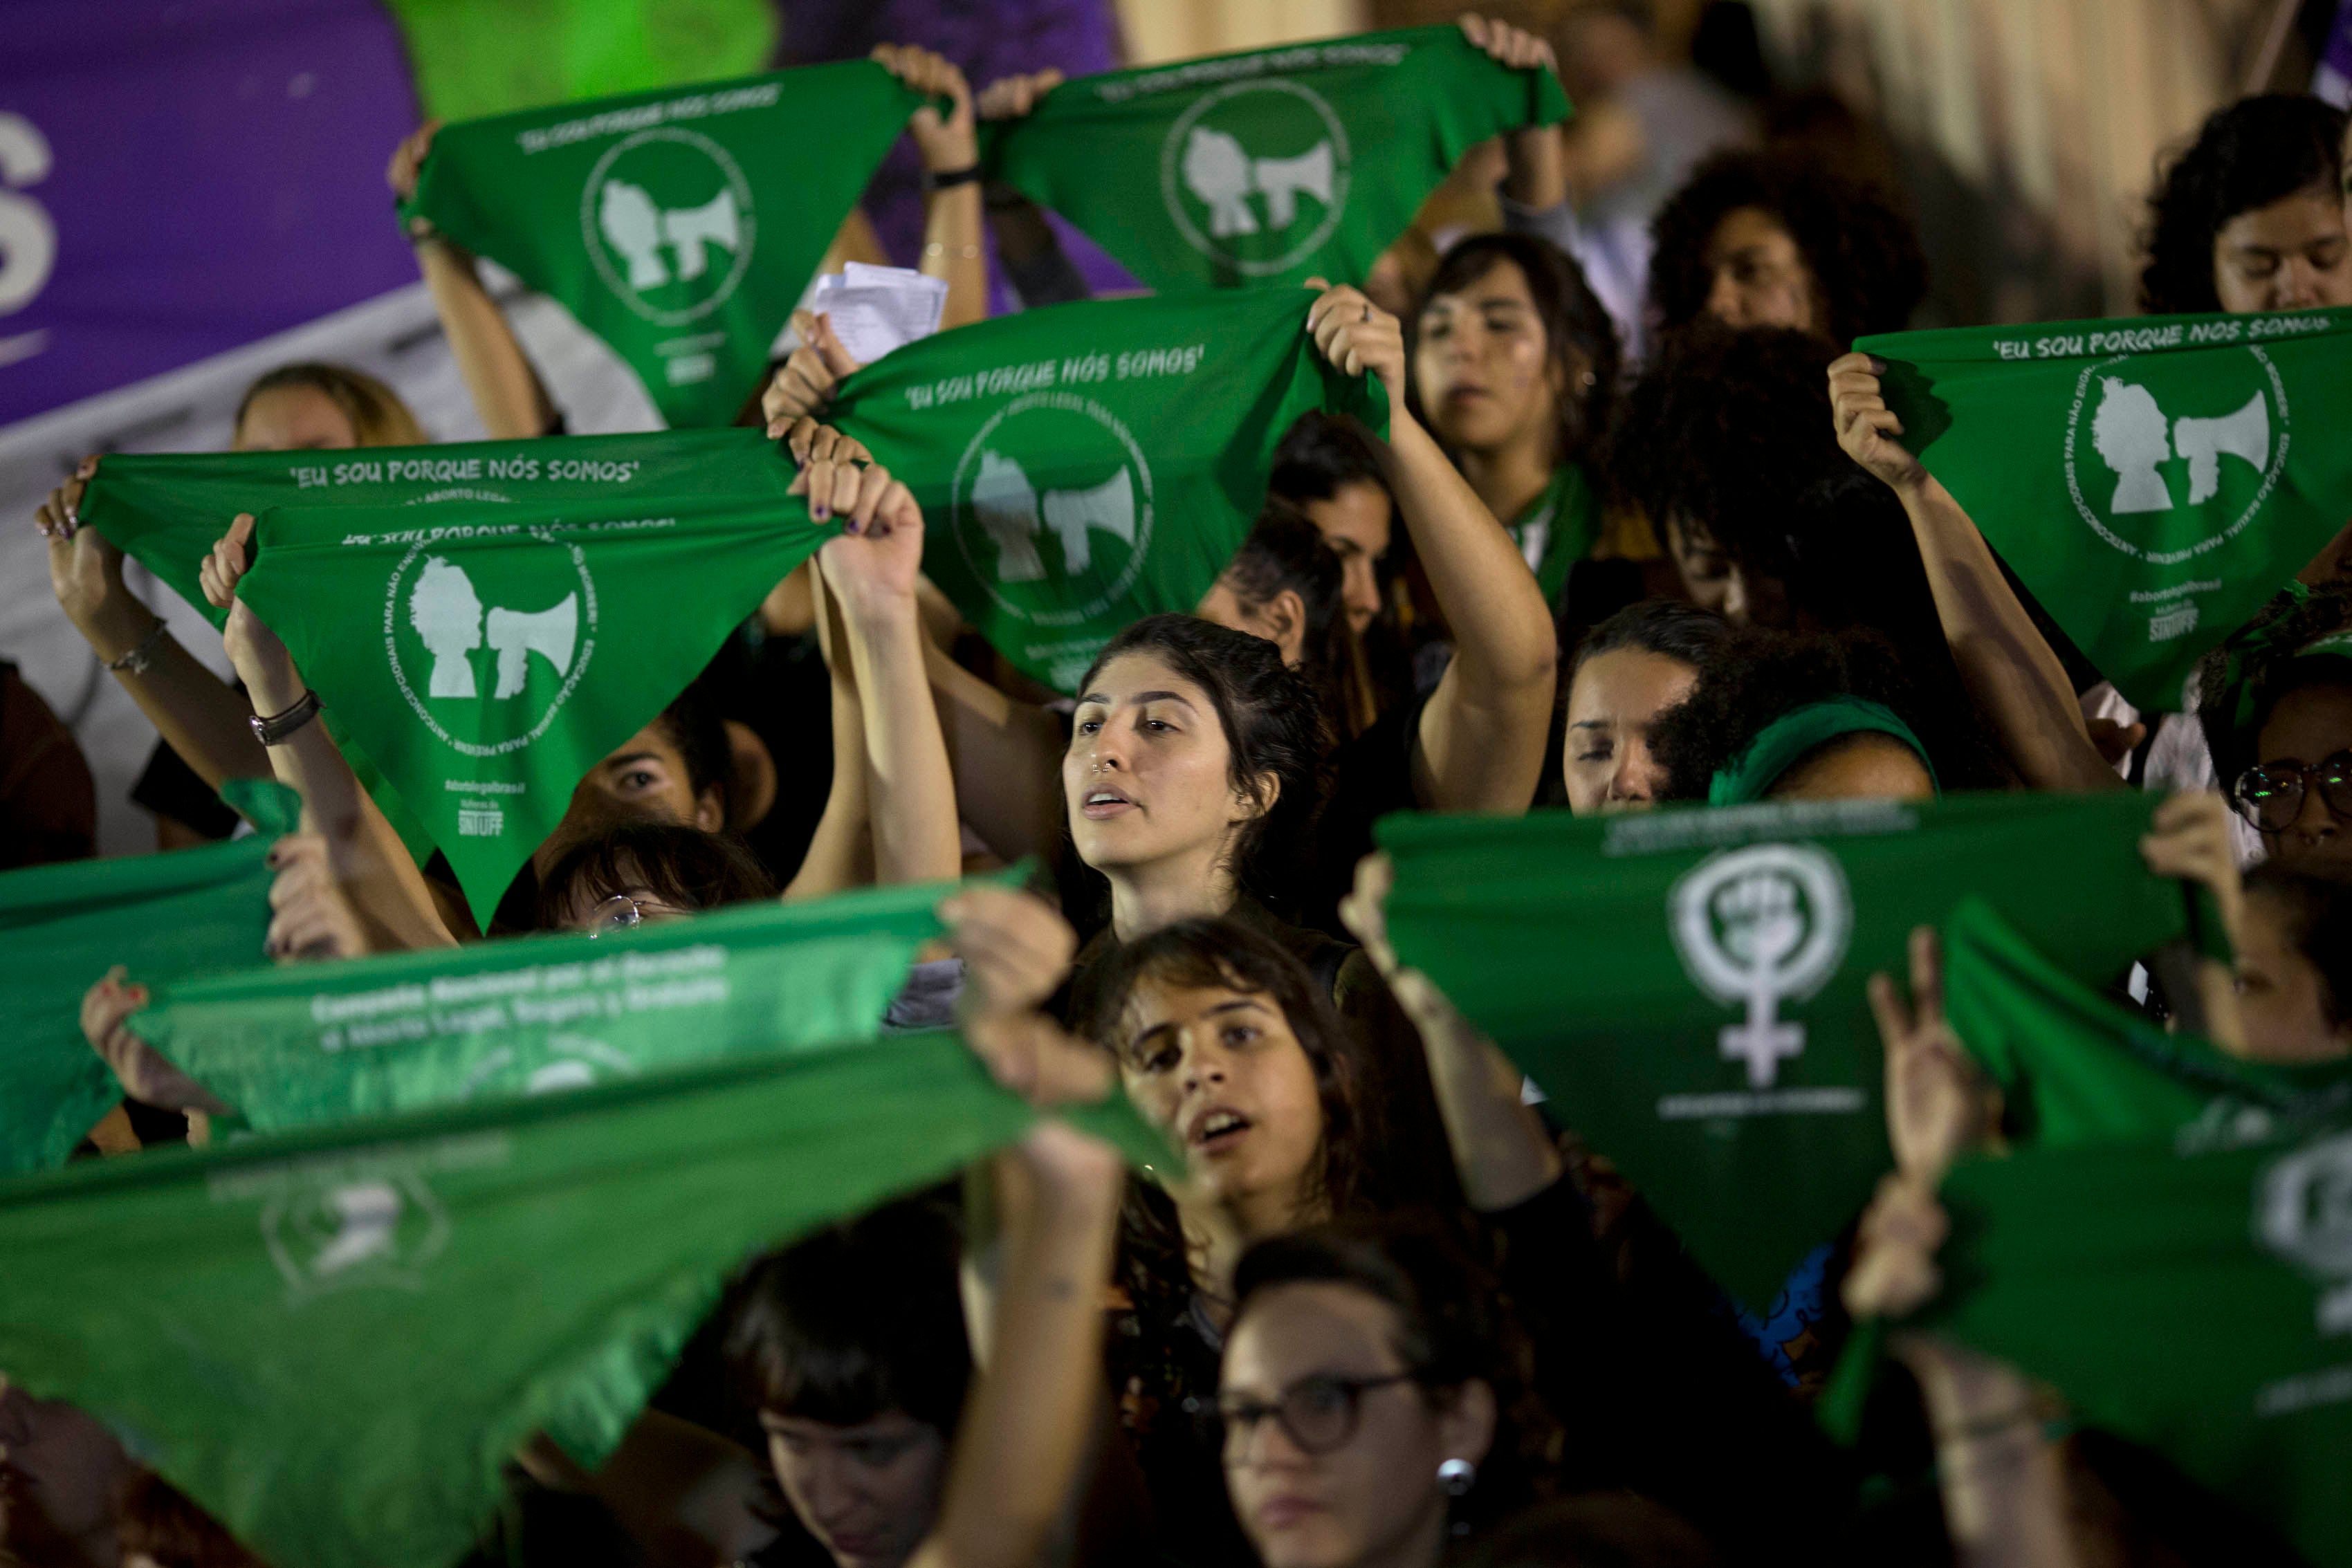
point(1286, 614)
point(1466, 1422)
point(751, 786)
point(1258, 798)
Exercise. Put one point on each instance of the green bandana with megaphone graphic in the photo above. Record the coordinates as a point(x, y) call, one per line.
point(2197, 1301)
point(1264, 168)
point(1688, 986)
point(204, 911)
point(485, 657)
point(309, 1043)
point(2151, 481)
point(1085, 466)
point(333, 1341)
point(167, 511)
point(679, 226)
point(2074, 1068)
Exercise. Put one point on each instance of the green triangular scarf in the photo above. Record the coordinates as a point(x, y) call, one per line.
point(1264, 168)
point(680, 225)
point(1085, 466)
point(2152, 481)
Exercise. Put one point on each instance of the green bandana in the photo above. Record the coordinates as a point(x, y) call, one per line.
point(1559, 529)
point(1085, 466)
point(1264, 168)
point(680, 225)
point(2074, 1068)
point(167, 512)
point(165, 918)
point(506, 649)
point(2199, 1303)
point(2152, 481)
point(1779, 743)
point(358, 1324)
point(322, 1042)
point(1688, 985)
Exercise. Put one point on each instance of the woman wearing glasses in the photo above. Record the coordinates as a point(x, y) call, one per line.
point(2278, 715)
point(1374, 1400)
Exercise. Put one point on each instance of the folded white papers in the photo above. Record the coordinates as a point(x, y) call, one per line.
point(873, 310)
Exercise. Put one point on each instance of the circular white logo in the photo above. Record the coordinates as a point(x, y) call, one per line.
point(1255, 174)
point(378, 1229)
point(2303, 1212)
point(1052, 509)
point(494, 675)
point(666, 217)
point(2168, 458)
point(1756, 926)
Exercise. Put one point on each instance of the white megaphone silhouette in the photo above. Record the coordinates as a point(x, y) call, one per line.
point(689, 229)
point(1281, 179)
point(516, 635)
point(2244, 434)
point(1109, 505)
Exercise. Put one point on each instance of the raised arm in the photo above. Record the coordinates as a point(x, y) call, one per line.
point(508, 392)
point(199, 716)
point(872, 567)
point(1535, 173)
point(1039, 271)
point(1481, 746)
point(949, 144)
point(1500, 1149)
point(384, 887)
point(2008, 667)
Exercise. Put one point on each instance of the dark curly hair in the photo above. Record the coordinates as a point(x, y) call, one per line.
point(1863, 253)
point(1574, 322)
point(1724, 429)
point(2247, 154)
point(2318, 910)
point(1273, 733)
point(2259, 658)
point(1454, 1326)
point(858, 1320)
point(684, 867)
point(1284, 549)
point(1756, 676)
point(1321, 454)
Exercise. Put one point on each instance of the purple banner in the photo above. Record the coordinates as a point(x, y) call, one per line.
point(179, 177)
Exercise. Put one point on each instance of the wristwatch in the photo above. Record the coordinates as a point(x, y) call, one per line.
point(275, 729)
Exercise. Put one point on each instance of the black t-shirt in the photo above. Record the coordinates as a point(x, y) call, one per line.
point(1372, 775)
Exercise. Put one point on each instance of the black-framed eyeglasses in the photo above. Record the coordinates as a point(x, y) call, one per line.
point(2269, 795)
point(1317, 1414)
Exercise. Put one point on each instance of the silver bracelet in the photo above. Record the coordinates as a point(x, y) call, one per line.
point(136, 661)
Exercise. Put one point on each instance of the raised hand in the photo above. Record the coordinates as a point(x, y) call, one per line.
point(948, 143)
point(877, 556)
point(805, 383)
point(261, 660)
point(1506, 44)
point(1867, 427)
point(1894, 1274)
point(407, 160)
point(146, 1076)
point(1016, 948)
point(310, 917)
point(810, 441)
point(2190, 839)
point(1011, 98)
point(1358, 336)
point(86, 570)
point(1937, 1103)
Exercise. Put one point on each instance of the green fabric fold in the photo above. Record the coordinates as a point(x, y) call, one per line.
point(166, 918)
point(1782, 744)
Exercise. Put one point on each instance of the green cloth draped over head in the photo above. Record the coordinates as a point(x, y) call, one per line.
point(1782, 743)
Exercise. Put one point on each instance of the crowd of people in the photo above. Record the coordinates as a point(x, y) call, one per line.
point(1392, 1311)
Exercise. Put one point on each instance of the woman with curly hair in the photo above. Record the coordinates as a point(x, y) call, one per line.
point(2250, 217)
point(1767, 239)
point(1779, 717)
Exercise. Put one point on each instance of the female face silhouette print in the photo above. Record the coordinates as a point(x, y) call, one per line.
point(449, 619)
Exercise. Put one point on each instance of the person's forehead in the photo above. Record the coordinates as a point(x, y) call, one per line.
point(2315, 719)
point(1625, 683)
point(2304, 218)
point(1131, 675)
point(1294, 1329)
point(1502, 283)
